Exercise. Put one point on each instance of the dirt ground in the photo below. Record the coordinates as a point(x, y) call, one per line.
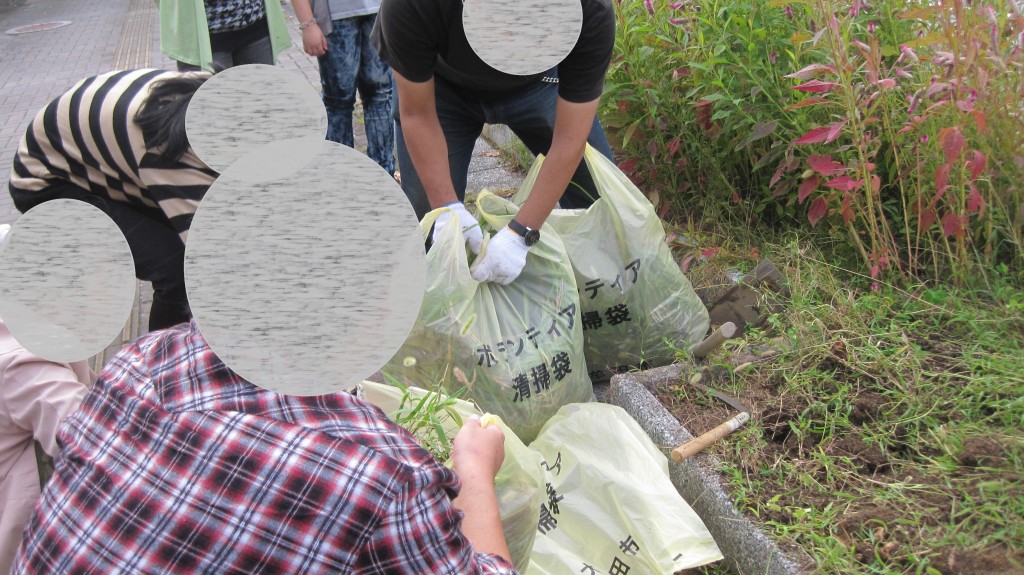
point(873, 527)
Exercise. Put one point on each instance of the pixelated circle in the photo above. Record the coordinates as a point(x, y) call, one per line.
point(246, 107)
point(522, 38)
point(309, 283)
point(68, 282)
point(276, 160)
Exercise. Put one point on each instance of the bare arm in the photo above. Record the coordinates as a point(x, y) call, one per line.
point(572, 126)
point(313, 41)
point(425, 139)
point(478, 454)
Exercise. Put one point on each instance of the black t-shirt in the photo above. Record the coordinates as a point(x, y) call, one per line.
point(420, 38)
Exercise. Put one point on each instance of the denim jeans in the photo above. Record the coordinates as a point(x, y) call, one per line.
point(529, 113)
point(350, 64)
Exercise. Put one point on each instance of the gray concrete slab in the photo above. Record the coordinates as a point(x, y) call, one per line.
point(746, 549)
point(36, 67)
point(488, 170)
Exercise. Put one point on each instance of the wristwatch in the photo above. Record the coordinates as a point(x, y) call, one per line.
point(530, 235)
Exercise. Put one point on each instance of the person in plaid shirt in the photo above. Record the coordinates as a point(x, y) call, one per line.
point(174, 464)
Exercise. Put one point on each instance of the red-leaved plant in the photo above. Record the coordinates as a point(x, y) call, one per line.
point(898, 122)
point(934, 182)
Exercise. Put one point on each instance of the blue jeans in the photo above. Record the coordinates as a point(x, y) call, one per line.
point(350, 64)
point(529, 113)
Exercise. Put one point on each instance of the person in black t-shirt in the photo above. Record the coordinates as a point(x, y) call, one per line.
point(446, 93)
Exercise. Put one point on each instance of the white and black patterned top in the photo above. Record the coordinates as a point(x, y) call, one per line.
point(228, 15)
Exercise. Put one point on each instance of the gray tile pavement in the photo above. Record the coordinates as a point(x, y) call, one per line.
point(36, 67)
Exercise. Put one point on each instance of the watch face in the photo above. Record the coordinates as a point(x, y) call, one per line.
point(531, 237)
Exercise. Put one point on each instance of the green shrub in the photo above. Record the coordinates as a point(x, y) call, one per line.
point(896, 125)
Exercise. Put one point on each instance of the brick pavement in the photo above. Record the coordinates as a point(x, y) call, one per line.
point(36, 67)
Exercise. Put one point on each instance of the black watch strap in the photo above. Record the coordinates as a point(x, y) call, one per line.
point(529, 235)
point(518, 228)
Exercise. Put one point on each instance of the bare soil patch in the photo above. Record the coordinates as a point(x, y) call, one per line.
point(874, 529)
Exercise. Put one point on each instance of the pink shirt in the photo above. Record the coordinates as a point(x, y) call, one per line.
point(35, 396)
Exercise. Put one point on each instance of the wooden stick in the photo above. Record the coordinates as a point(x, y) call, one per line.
point(714, 341)
point(698, 444)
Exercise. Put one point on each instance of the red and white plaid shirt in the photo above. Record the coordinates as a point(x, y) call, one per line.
point(174, 464)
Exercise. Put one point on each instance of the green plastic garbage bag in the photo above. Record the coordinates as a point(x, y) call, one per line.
point(610, 507)
point(517, 348)
point(591, 494)
point(519, 484)
point(635, 302)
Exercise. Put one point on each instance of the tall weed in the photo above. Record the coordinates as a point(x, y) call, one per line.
point(896, 125)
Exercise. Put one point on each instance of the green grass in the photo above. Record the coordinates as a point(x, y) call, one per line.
point(890, 425)
point(516, 156)
point(430, 417)
point(901, 447)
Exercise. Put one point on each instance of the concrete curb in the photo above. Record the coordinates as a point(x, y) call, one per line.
point(745, 548)
point(498, 135)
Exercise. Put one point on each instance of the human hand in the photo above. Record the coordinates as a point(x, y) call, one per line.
point(470, 226)
point(503, 260)
point(313, 41)
point(477, 454)
point(478, 451)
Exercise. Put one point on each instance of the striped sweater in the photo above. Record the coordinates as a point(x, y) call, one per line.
point(88, 137)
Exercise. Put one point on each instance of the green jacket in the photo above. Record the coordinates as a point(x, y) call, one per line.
point(185, 36)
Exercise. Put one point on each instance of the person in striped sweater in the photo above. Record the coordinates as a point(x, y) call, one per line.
point(117, 141)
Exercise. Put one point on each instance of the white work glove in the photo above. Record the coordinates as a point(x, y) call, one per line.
point(503, 260)
point(470, 226)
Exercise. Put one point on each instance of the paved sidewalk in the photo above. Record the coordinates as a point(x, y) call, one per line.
point(38, 66)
